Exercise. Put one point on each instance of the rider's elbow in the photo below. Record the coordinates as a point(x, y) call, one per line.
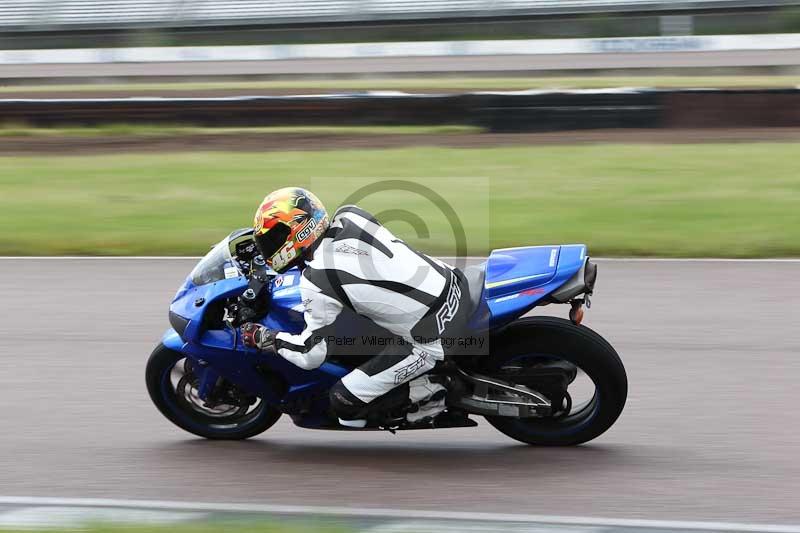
point(312, 359)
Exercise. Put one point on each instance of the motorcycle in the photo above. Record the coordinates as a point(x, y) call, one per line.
point(541, 380)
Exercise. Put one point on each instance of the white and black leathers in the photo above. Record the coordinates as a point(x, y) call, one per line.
point(361, 266)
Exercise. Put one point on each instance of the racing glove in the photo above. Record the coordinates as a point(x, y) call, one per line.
point(258, 336)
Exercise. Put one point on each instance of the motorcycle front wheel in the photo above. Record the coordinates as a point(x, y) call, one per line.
point(531, 340)
point(173, 389)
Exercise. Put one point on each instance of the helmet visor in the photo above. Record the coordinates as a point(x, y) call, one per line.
point(270, 242)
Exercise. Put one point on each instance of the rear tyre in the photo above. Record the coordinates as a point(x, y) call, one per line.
point(555, 337)
point(170, 398)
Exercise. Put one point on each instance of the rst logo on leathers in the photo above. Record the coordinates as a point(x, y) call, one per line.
point(403, 374)
point(450, 306)
point(305, 233)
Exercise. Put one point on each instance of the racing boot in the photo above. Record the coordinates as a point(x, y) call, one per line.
point(427, 398)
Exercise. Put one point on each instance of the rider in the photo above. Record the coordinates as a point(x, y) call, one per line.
point(352, 262)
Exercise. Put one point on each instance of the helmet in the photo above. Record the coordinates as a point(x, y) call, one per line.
point(287, 224)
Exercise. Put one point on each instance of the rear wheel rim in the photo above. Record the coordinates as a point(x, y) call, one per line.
point(582, 412)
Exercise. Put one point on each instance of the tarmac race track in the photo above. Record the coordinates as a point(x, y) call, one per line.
point(405, 65)
point(711, 430)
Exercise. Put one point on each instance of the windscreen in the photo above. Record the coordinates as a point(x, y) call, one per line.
point(216, 265)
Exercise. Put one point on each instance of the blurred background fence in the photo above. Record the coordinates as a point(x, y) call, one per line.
point(497, 112)
point(371, 86)
point(35, 24)
point(37, 15)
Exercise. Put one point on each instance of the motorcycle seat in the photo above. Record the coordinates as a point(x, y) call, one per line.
point(475, 276)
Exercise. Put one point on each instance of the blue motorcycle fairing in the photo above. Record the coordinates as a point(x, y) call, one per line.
point(172, 340)
point(192, 302)
point(222, 349)
point(288, 315)
point(517, 279)
point(285, 314)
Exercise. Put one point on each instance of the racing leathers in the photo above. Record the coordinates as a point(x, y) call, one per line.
point(361, 266)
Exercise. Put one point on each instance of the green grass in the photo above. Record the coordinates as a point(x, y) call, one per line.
point(726, 200)
point(429, 83)
point(147, 130)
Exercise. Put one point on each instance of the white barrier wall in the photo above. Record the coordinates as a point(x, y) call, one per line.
point(408, 49)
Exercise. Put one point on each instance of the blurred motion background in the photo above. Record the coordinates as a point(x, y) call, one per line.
point(658, 120)
point(642, 128)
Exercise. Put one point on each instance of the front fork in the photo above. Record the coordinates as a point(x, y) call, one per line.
point(208, 378)
point(206, 375)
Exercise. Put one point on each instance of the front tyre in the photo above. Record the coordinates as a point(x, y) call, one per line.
point(172, 389)
point(529, 340)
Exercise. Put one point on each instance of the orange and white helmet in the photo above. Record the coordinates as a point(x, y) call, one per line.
point(287, 224)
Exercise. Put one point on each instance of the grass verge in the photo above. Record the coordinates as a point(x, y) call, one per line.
point(411, 84)
point(718, 200)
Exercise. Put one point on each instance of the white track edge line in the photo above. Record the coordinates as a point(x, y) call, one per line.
point(399, 513)
point(471, 257)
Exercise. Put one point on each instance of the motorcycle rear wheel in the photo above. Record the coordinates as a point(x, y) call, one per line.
point(558, 338)
point(176, 404)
